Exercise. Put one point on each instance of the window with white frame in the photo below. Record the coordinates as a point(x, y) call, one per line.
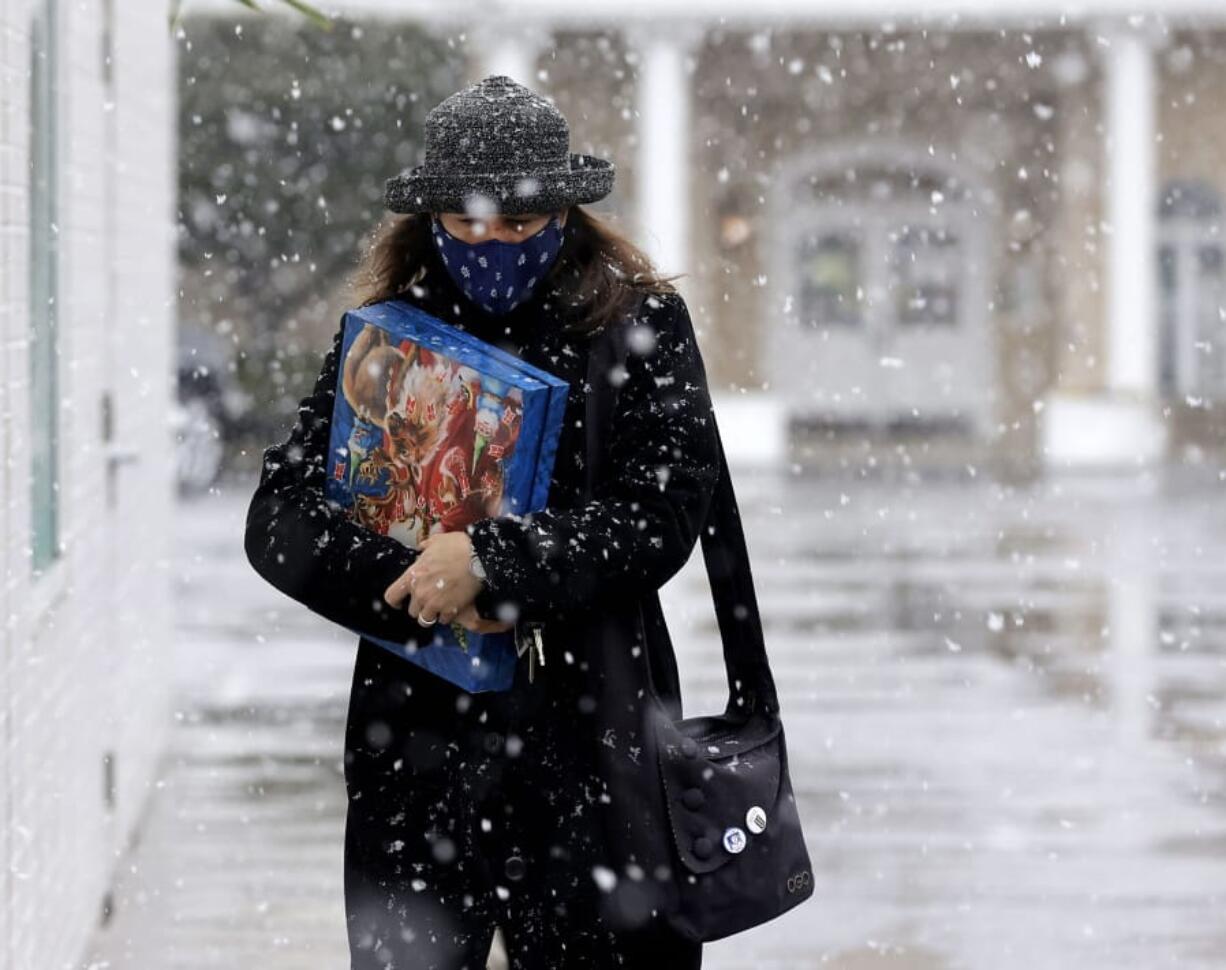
point(1192, 292)
point(830, 277)
point(44, 288)
point(876, 246)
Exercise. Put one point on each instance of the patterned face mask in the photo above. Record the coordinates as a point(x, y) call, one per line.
point(494, 274)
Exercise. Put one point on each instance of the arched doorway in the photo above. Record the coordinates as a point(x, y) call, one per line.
point(883, 253)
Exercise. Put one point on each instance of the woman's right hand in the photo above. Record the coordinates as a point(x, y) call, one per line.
point(470, 619)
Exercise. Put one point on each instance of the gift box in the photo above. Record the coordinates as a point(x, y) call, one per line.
point(432, 430)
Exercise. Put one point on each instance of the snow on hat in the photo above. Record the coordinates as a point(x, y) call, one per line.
point(497, 146)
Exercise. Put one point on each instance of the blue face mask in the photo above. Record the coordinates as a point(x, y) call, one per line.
point(498, 275)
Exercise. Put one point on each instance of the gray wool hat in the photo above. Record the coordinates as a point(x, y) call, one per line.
point(498, 147)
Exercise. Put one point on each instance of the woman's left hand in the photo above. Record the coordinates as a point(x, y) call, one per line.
point(439, 583)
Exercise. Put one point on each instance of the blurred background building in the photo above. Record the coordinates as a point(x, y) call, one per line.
point(992, 244)
point(985, 244)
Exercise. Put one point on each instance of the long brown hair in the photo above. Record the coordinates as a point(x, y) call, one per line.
point(598, 276)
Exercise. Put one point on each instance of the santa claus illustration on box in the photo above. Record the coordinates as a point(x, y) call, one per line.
point(431, 438)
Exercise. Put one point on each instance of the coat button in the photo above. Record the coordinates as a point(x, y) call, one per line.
point(703, 847)
point(693, 798)
point(515, 867)
point(494, 742)
point(689, 748)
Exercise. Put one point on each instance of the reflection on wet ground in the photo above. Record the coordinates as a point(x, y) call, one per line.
point(1005, 719)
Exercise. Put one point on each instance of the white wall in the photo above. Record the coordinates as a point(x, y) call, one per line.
point(84, 661)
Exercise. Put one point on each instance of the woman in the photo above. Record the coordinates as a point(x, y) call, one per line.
point(470, 810)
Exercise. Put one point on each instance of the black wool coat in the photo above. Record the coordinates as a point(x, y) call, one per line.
point(431, 758)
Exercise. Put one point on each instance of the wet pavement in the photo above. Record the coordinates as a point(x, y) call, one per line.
point(1005, 712)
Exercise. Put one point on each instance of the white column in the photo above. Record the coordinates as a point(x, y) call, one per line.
point(510, 49)
point(1121, 425)
point(665, 129)
point(1132, 345)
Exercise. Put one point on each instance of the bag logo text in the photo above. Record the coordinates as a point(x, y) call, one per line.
point(799, 881)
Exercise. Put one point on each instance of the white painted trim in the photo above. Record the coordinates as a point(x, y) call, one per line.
point(1099, 431)
point(663, 15)
point(752, 426)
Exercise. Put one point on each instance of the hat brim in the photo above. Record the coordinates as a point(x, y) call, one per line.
point(590, 178)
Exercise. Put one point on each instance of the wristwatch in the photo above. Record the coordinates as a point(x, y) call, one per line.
point(475, 567)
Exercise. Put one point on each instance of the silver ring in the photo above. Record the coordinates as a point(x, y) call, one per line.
point(427, 622)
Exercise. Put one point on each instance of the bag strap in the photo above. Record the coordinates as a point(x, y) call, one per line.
point(736, 602)
point(751, 685)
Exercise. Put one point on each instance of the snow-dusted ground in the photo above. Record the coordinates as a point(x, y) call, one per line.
point(1005, 714)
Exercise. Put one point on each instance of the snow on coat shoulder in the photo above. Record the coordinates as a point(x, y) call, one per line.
point(650, 502)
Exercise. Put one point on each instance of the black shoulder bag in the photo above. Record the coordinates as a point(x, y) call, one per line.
point(711, 842)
